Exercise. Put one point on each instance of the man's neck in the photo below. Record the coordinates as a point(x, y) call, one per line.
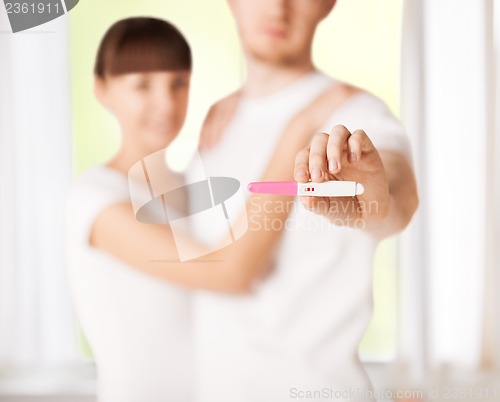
point(264, 78)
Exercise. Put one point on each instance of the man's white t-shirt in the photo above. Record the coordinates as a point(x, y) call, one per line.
point(139, 328)
point(299, 330)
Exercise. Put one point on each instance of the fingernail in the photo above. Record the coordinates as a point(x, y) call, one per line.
point(352, 157)
point(316, 173)
point(332, 165)
point(301, 173)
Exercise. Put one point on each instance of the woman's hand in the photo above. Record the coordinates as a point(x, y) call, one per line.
point(343, 155)
point(218, 117)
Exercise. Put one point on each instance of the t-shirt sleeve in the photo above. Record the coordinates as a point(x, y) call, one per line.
point(366, 112)
point(90, 194)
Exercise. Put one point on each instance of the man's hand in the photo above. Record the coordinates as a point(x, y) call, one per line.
point(345, 156)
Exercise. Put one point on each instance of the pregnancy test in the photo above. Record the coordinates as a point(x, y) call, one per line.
point(324, 189)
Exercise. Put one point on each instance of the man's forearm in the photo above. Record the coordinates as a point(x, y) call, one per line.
point(403, 195)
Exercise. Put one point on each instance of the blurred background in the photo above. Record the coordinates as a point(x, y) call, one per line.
point(436, 286)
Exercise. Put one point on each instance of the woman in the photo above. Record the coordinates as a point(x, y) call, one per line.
point(138, 327)
point(135, 312)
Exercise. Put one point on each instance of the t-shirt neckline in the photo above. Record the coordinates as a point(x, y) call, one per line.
point(283, 92)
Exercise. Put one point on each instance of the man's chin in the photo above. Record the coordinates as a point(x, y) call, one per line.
point(273, 56)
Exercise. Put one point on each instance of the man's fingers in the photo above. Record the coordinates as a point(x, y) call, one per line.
point(357, 144)
point(301, 170)
point(325, 153)
point(354, 145)
point(336, 144)
point(318, 205)
point(317, 157)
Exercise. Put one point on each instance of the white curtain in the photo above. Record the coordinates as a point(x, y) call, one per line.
point(449, 258)
point(36, 320)
point(494, 311)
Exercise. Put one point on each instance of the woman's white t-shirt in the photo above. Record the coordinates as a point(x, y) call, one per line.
point(137, 326)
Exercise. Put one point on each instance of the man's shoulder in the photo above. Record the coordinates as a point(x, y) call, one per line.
point(352, 95)
point(347, 90)
point(225, 102)
point(218, 117)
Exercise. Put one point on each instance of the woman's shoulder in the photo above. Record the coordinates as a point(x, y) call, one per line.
point(100, 177)
point(98, 182)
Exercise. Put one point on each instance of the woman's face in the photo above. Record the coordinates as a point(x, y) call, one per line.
point(149, 106)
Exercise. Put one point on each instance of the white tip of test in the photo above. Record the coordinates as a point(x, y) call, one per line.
point(359, 189)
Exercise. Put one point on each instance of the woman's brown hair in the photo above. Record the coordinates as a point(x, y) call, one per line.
point(142, 44)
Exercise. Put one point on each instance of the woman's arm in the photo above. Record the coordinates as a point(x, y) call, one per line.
point(151, 248)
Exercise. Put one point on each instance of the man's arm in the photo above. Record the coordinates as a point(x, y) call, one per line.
point(403, 200)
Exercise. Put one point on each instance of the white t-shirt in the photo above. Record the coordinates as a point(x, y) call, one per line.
point(299, 330)
point(138, 327)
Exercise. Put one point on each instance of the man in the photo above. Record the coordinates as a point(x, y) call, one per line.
point(295, 334)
